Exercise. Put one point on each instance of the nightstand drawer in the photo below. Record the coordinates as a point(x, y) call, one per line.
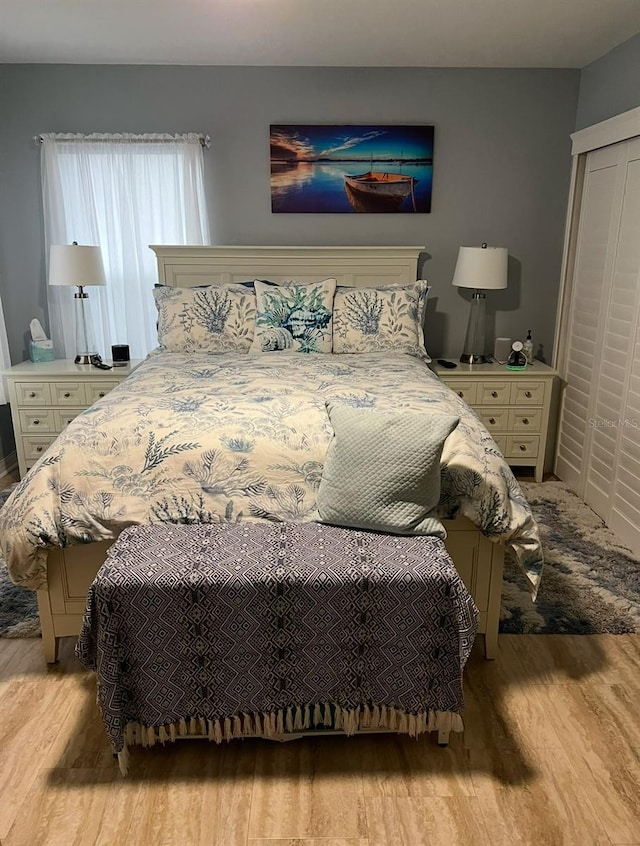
point(64, 416)
point(466, 390)
point(46, 396)
point(494, 393)
point(36, 445)
point(67, 393)
point(33, 421)
point(525, 419)
point(97, 390)
point(522, 446)
point(495, 419)
point(527, 393)
point(33, 393)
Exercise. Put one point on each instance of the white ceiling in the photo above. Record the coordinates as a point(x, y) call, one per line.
point(368, 33)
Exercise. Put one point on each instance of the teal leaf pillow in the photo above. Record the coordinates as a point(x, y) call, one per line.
point(207, 319)
point(382, 470)
point(386, 318)
point(294, 317)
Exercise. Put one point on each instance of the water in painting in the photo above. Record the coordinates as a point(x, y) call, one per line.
point(351, 169)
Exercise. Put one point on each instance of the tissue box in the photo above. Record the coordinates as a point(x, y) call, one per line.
point(41, 350)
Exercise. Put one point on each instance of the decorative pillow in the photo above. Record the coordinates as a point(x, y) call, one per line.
point(387, 318)
point(382, 471)
point(294, 317)
point(207, 319)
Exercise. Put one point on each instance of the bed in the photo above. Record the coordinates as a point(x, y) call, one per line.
point(67, 511)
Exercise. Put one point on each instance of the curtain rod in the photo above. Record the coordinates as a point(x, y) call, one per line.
point(205, 140)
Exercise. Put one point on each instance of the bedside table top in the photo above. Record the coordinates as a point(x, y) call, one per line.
point(67, 367)
point(469, 370)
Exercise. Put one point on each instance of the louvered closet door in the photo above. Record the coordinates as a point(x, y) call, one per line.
point(594, 261)
point(599, 437)
point(620, 373)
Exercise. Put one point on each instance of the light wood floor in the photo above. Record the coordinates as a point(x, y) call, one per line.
point(551, 755)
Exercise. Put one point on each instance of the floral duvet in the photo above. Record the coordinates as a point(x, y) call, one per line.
point(230, 437)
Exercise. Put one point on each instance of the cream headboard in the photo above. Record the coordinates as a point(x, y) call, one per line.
point(184, 267)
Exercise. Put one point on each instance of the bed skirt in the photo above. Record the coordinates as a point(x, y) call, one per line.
point(266, 630)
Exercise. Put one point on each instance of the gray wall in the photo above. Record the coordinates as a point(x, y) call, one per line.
point(610, 85)
point(501, 168)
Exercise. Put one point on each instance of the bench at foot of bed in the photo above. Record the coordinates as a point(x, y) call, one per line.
point(261, 629)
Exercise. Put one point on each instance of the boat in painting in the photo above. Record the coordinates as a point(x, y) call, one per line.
point(377, 191)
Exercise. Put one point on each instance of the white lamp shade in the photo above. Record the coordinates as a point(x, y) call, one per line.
point(70, 264)
point(481, 268)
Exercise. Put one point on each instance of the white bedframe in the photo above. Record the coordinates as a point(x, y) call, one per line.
point(478, 560)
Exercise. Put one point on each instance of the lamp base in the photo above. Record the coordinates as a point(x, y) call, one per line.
point(471, 358)
point(84, 358)
point(474, 342)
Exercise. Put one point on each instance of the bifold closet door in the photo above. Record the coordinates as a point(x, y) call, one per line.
point(618, 391)
point(599, 440)
point(593, 266)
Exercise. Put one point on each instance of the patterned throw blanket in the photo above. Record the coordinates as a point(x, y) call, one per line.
point(258, 629)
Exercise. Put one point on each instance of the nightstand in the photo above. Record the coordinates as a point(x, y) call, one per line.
point(514, 405)
point(46, 396)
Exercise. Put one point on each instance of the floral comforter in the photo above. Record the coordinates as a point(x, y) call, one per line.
point(204, 438)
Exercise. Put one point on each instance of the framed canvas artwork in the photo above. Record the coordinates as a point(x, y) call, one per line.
point(351, 169)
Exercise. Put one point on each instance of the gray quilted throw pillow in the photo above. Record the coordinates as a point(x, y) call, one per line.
point(382, 470)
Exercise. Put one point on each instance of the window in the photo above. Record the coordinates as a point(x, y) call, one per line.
point(121, 193)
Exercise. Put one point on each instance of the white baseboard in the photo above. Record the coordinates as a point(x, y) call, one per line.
point(8, 464)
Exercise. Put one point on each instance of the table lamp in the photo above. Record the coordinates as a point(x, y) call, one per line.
point(71, 264)
point(483, 268)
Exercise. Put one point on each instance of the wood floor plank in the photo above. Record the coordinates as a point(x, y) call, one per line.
point(305, 841)
point(32, 714)
point(508, 716)
point(602, 738)
point(408, 821)
point(545, 805)
point(575, 658)
point(630, 647)
point(76, 808)
point(21, 658)
point(396, 765)
point(192, 792)
point(308, 788)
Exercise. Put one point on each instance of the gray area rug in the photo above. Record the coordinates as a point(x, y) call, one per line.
point(590, 584)
point(18, 607)
point(591, 581)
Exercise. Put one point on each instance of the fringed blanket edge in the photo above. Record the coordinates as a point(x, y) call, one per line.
point(278, 724)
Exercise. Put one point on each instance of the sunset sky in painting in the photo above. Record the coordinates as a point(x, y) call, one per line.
point(351, 142)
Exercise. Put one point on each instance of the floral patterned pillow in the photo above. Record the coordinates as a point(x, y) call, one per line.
point(209, 319)
point(387, 318)
point(294, 317)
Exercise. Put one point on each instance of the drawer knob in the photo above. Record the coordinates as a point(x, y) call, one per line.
point(67, 394)
point(523, 448)
point(32, 394)
point(460, 393)
point(101, 394)
point(525, 421)
point(492, 420)
point(38, 449)
point(36, 422)
point(494, 394)
point(527, 394)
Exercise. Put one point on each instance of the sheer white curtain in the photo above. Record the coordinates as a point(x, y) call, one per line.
point(121, 193)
